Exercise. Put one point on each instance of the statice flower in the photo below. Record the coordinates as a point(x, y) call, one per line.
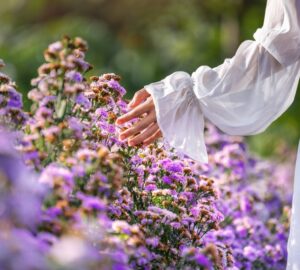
point(20, 200)
point(172, 204)
point(11, 113)
point(92, 174)
point(255, 200)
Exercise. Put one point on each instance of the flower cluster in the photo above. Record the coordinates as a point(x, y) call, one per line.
point(255, 199)
point(11, 113)
point(156, 206)
point(174, 206)
point(115, 206)
point(20, 201)
point(24, 245)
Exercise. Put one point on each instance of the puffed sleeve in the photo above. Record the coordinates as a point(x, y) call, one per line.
point(243, 95)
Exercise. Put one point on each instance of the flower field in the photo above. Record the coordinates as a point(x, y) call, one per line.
point(73, 196)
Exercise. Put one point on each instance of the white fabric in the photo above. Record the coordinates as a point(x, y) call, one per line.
point(242, 96)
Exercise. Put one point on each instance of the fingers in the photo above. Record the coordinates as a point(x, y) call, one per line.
point(137, 111)
point(148, 132)
point(145, 130)
point(153, 138)
point(139, 126)
point(138, 97)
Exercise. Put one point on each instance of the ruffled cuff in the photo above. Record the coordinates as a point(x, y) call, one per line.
point(179, 115)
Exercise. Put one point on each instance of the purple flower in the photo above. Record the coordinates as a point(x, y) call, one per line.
point(35, 95)
point(74, 76)
point(77, 126)
point(241, 231)
point(167, 180)
point(83, 65)
point(91, 203)
point(136, 160)
point(46, 100)
point(55, 174)
point(43, 113)
point(164, 212)
point(174, 167)
point(82, 100)
point(201, 260)
point(116, 86)
point(102, 112)
point(153, 242)
point(53, 212)
point(195, 211)
point(150, 187)
point(15, 99)
point(250, 253)
point(245, 205)
point(53, 130)
point(24, 248)
point(19, 199)
point(55, 47)
point(176, 225)
point(111, 128)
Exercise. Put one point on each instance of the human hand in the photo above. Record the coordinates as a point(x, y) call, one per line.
point(146, 130)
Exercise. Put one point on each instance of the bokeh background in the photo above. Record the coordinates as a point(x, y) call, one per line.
point(143, 41)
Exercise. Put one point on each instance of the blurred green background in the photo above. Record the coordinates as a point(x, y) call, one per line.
point(141, 40)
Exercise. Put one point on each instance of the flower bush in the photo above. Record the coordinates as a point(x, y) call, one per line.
point(255, 199)
point(106, 205)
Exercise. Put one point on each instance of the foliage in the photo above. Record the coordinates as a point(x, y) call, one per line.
point(142, 42)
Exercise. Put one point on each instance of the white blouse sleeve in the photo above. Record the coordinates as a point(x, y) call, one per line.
point(242, 96)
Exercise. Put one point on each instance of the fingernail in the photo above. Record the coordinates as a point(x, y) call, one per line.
point(131, 144)
point(130, 103)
